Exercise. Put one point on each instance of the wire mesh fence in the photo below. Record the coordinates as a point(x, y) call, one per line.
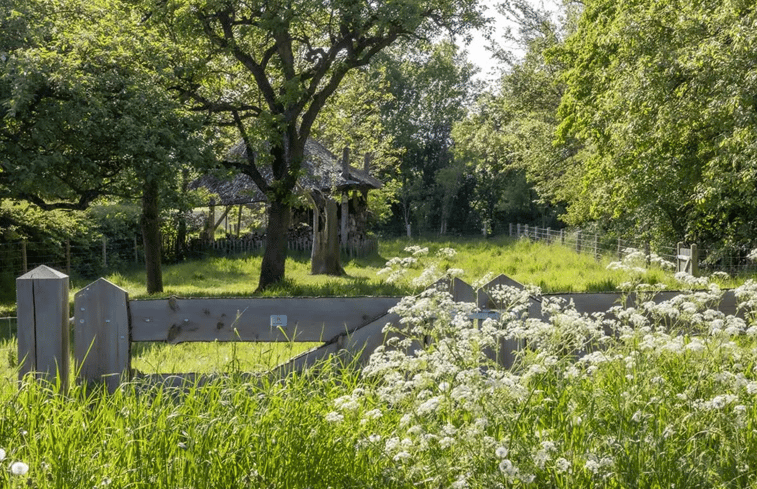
point(85, 259)
point(96, 258)
point(604, 245)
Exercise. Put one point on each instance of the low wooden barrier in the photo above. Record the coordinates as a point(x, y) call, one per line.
point(106, 322)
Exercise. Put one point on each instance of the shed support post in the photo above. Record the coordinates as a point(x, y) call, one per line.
point(344, 219)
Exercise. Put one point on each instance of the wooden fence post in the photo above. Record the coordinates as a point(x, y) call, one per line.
point(578, 241)
point(596, 247)
point(101, 329)
point(648, 252)
point(562, 237)
point(105, 252)
point(68, 257)
point(549, 235)
point(24, 262)
point(525, 231)
point(43, 327)
point(620, 250)
point(694, 260)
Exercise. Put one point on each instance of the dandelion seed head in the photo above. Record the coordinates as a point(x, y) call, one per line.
point(19, 468)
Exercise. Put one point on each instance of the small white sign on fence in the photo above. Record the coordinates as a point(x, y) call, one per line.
point(278, 321)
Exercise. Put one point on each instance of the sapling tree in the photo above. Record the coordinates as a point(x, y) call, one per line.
point(267, 70)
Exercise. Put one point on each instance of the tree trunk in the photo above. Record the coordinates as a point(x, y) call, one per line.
point(325, 258)
point(151, 235)
point(274, 259)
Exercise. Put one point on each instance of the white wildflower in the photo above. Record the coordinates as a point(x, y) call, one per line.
point(460, 483)
point(19, 468)
point(446, 253)
point(334, 417)
point(501, 452)
point(446, 442)
point(403, 455)
point(562, 465)
point(592, 466)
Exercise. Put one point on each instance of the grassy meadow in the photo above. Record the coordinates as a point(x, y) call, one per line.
point(662, 395)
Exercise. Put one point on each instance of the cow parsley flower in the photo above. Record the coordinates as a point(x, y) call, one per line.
point(562, 465)
point(334, 417)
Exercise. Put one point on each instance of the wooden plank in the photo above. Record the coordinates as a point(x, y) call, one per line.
point(462, 292)
point(101, 333)
point(363, 342)
point(308, 319)
point(43, 344)
point(591, 303)
point(27, 338)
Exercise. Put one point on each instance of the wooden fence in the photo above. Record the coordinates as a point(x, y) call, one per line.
point(106, 322)
point(687, 259)
point(231, 246)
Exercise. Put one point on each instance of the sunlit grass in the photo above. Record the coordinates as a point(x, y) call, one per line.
point(553, 267)
point(213, 358)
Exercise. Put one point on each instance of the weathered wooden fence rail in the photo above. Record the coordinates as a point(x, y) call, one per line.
point(353, 248)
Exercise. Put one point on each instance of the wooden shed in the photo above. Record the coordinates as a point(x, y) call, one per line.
point(325, 175)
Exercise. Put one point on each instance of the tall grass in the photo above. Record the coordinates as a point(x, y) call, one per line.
point(662, 395)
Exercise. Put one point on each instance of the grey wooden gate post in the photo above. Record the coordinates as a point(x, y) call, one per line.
point(101, 332)
point(43, 326)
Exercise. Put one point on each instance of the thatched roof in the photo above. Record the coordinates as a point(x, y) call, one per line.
point(323, 171)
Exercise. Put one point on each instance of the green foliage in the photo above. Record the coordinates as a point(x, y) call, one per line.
point(20, 220)
point(81, 116)
point(506, 141)
point(430, 89)
point(662, 97)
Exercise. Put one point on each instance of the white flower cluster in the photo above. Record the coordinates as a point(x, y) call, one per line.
point(635, 261)
point(397, 268)
point(447, 253)
point(650, 370)
point(416, 251)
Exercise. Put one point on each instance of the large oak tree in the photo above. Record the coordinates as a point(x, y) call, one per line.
point(268, 68)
